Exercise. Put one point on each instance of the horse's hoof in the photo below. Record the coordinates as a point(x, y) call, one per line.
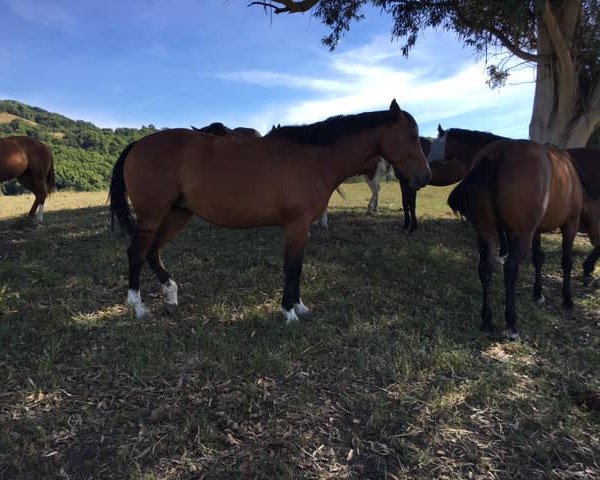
point(568, 304)
point(512, 335)
point(170, 308)
point(539, 300)
point(501, 259)
point(487, 327)
point(301, 309)
point(290, 316)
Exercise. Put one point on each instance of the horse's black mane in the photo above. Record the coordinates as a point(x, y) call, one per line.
point(331, 130)
point(474, 135)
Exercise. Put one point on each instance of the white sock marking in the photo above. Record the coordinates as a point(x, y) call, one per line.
point(39, 215)
point(169, 292)
point(300, 308)
point(134, 299)
point(290, 316)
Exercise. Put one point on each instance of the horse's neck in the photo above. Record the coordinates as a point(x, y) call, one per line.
point(350, 156)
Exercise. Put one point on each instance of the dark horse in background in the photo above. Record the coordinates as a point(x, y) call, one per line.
point(450, 158)
point(31, 163)
point(284, 178)
point(220, 130)
point(523, 189)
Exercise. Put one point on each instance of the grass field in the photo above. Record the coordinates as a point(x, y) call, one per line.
point(390, 379)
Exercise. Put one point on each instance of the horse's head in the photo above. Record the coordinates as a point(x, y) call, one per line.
point(402, 148)
point(437, 152)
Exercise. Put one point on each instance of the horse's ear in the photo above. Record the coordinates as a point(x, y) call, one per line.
point(441, 131)
point(394, 107)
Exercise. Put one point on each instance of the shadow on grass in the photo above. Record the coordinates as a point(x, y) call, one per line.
point(389, 377)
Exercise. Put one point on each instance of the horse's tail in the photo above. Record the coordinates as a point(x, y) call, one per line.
point(477, 187)
point(119, 207)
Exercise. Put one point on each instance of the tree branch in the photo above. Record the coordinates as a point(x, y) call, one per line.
point(289, 6)
point(512, 48)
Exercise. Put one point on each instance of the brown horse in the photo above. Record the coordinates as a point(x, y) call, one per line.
point(284, 178)
point(524, 189)
point(450, 158)
point(31, 163)
point(376, 168)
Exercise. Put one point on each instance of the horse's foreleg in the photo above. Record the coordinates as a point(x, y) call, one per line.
point(485, 276)
point(589, 265)
point(412, 207)
point(518, 247)
point(175, 220)
point(295, 239)
point(137, 253)
point(538, 261)
point(568, 236)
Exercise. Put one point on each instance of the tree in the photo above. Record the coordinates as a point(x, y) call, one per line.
point(560, 38)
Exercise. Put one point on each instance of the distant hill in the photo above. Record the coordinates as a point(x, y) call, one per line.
point(83, 153)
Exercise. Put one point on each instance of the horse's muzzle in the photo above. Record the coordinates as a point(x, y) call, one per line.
point(421, 180)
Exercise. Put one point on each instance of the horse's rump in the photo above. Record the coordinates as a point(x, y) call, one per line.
point(586, 161)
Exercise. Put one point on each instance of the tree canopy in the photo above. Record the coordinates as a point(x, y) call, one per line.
point(560, 37)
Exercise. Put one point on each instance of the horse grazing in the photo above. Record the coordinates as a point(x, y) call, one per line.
point(31, 163)
point(450, 158)
point(376, 168)
point(524, 189)
point(284, 178)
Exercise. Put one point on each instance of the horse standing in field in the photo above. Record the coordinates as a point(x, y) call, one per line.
point(523, 189)
point(284, 178)
point(374, 170)
point(31, 163)
point(450, 158)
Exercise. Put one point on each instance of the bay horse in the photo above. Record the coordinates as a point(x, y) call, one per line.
point(374, 170)
point(450, 158)
point(523, 189)
point(283, 178)
point(31, 163)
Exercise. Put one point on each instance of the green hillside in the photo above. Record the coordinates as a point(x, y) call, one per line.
point(83, 153)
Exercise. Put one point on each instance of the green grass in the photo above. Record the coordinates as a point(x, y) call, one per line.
point(390, 379)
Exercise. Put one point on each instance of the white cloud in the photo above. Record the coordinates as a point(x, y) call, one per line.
point(41, 13)
point(369, 77)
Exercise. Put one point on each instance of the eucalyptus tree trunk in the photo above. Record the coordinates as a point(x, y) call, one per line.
point(560, 115)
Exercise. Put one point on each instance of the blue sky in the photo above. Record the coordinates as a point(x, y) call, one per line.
point(174, 63)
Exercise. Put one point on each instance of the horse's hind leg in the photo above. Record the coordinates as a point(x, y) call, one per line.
point(484, 245)
point(589, 265)
point(295, 238)
point(518, 247)
point(538, 261)
point(137, 252)
point(503, 246)
point(568, 236)
point(38, 188)
point(175, 220)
